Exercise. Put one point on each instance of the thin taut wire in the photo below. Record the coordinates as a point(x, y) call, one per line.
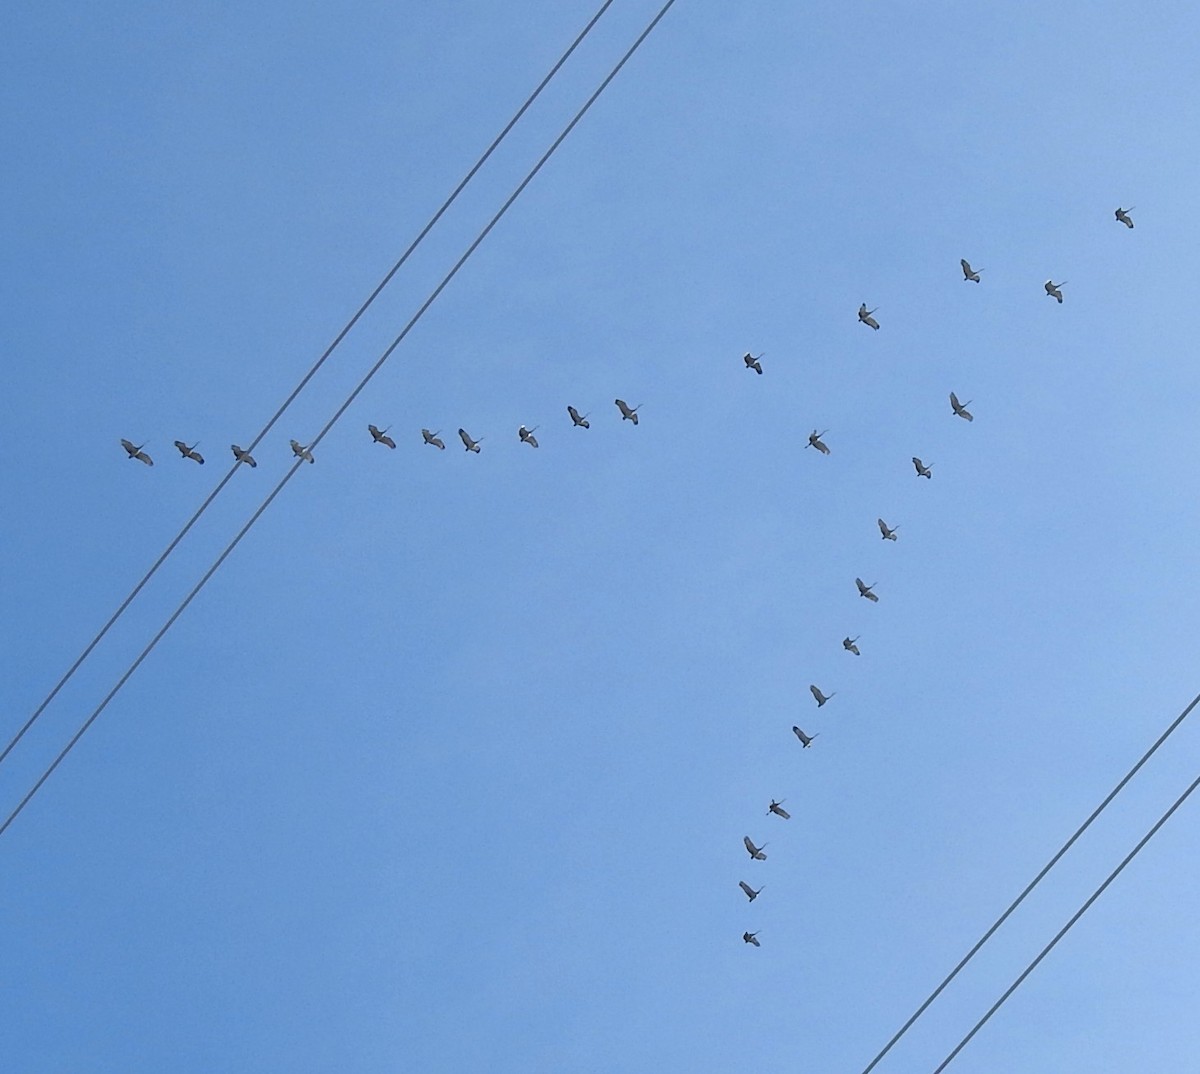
point(340, 411)
point(1033, 883)
point(1067, 927)
point(307, 377)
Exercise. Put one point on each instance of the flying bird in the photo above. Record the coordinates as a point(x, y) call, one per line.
point(301, 452)
point(849, 646)
point(468, 443)
point(432, 438)
point(1123, 215)
point(752, 362)
point(1052, 289)
point(921, 468)
point(527, 436)
point(190, 452)
point(751, 894)
point(968, 272)
point(864, 590)
point(887, 532)
point(628, 414)
point(243, 456)
point(777, 808)
point(749, 937)
point(577, 420)
point(381, 437)
point(814, 440)
point(821, 698)
point(136, 452)
point(755, 852)
point(864, 315)
point(961, 408)
point(805, 740)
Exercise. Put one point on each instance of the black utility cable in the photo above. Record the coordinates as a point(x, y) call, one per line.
point(1033, 883)
point(307, 377)
point(340, 411)
point(1067, 927)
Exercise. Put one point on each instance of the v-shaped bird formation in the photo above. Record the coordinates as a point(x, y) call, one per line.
point(815, 440)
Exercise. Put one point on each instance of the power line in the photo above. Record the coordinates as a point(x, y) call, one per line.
point(1067, 927)
point(307, 377)
point(1033, 884)
point(339, 412)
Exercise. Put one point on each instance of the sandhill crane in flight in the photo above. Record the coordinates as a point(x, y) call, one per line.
point(190, 452)
point(755, 852)
point(136, 452)
point(1123, 215)
point(864, 590)
point(380, 436)
point(968, 272)
point(578, 420)
point(888, 533)
point(849, 646)
point(627, 413)
point(805, 740)
point(243, 456)
point(777, 808)
point(751, 894)
point(752, 362)
point(468, 443)
point(750, 937)
point(921, 468)
point(433, 439)
point(961, 408)
point(864, 315)
point(820, 697)
point(527, 436)
point(301, 452)
point(1052, 289)
point(814, 440)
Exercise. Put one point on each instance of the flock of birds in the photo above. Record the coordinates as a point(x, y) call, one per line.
point(628, 413)
point(887, 533)
point(380, 436)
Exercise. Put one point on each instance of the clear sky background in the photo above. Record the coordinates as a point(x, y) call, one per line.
point(449, 766)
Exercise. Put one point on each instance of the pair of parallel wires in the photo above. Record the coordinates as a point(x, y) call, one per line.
point(341, 409)
point(354, 395)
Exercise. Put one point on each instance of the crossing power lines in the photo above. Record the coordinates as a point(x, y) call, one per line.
point(433, 296)
point(303, 383)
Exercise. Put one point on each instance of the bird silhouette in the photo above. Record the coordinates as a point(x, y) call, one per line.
point(380, 436)
point(136, 452)
point(190, 452)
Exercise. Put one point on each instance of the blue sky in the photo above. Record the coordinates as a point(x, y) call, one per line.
point(449, 766)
